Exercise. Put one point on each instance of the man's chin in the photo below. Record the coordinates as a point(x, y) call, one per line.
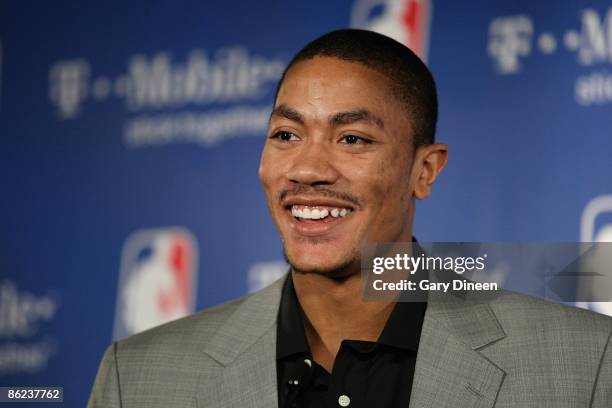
point(333, 270)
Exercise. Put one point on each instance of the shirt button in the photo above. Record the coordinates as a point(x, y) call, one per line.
point(344, 400)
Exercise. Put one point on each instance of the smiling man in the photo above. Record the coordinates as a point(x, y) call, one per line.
point(349, 150)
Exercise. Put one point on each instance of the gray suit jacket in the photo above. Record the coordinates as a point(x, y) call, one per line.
point(512, 351)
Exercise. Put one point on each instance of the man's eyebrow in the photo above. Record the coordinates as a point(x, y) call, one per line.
point(284, 111)
point(340, 118)
point(346, 118)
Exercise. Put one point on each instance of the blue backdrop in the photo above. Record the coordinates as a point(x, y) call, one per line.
point(130, 137)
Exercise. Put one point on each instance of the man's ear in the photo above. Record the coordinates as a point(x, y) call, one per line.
point(429, 161)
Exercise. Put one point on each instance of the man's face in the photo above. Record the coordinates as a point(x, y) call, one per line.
point(336, 166)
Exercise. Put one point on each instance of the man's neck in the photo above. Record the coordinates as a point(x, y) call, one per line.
point(334, 310)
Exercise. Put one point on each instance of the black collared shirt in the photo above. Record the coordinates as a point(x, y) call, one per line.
point(365, 374)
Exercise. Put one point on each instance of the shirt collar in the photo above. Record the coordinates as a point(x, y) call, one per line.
point(290, 334)
point(402, 329)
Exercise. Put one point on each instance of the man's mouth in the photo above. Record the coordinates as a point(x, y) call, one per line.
point(316, 212)
point(318, 216)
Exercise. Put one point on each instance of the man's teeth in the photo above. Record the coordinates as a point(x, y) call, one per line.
point(318, 213)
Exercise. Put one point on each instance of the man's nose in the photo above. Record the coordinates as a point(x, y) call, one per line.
point(313, 165)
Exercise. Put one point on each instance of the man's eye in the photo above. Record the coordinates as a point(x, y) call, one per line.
point(285, 136)
point(352, 139)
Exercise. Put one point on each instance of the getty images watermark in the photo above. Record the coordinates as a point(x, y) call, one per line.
point(413, 272)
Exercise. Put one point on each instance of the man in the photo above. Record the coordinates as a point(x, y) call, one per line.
point(350, 148)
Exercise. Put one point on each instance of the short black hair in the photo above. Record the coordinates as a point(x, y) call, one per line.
point(412, 82)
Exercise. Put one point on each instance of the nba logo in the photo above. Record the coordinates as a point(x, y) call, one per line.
point(157, 281)
point(594, 228)
point(406, 21)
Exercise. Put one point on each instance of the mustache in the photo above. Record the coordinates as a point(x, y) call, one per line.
point(304, 190)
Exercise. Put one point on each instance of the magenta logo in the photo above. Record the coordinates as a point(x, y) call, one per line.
point(158, 279)
point(407, 21)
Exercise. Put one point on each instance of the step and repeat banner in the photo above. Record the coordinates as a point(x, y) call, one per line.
point(130, 136)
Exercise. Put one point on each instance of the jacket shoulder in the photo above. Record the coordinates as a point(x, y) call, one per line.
point(181, 335)
point(553, 354)
point(545, 339)
point(145, 369)
point(518, 311)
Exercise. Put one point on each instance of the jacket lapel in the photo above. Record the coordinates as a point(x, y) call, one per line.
point(450, 371)
point(245, 347)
